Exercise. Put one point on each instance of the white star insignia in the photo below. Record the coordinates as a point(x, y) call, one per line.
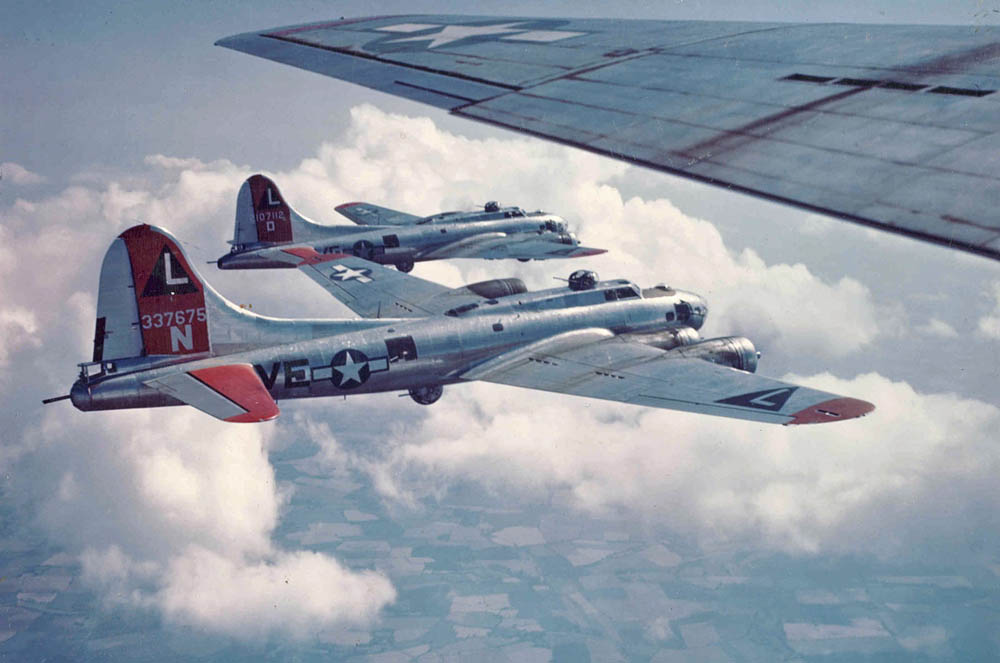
point(350, 370)
point(345, 273)
point(453, 33)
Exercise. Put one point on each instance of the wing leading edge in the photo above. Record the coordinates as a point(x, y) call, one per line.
point(366, 214)
point(891, 126)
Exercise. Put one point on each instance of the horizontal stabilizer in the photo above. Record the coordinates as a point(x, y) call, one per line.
point(366, 214)
point(230, 393)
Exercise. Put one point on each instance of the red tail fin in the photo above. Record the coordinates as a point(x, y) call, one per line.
point(170, 297)
point(270, 211)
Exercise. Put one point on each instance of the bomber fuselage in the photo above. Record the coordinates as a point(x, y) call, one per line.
point(404, 354)
point(425, 240)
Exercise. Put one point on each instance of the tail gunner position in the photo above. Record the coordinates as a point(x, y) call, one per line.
point(164, 337)
point(265, 223)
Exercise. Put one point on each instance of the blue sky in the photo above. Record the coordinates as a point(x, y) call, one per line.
point(117, 114)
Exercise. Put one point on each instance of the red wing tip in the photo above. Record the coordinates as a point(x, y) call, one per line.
point(255, 417)
point(346, 205)
point(836, 409)
point(583, 253)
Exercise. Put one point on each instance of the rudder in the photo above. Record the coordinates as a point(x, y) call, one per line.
point(150, 299)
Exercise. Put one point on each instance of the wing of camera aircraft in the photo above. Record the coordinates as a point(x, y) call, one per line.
point(891, 126)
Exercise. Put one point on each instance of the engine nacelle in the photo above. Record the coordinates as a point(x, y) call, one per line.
point(394, 256)
point(733, 351)
point(668, 339)
point(496, 288)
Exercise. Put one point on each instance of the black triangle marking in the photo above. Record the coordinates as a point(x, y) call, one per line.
point(168, 280)
point(769, 399)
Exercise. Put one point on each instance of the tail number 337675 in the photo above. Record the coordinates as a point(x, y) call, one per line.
point(171, 318)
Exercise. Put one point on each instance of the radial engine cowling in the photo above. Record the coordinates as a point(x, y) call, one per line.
point(668, 339)
point(733, 351)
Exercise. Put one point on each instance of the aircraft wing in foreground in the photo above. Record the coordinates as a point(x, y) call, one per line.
point(264, 221)
point(892, 126)
point(164, 337)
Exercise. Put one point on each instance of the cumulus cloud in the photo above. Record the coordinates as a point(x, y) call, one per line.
point(989, 325)
point(891, 483)
point(18, 174)
point(939, 328)
point(299, 593)
point(18, 328)
point(174, 512)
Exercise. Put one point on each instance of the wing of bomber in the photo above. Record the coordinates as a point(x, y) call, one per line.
point(366, 214)
point(891, 126)
point(597, 364)
point(232, 392)
point(498, 245)
point(367, 288)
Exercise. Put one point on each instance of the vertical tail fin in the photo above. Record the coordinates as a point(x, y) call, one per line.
point(150, 301)
point(153, 303)
point(262, 215)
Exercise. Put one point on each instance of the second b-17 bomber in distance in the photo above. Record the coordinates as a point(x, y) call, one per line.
point(266, 225)
point(164, 337)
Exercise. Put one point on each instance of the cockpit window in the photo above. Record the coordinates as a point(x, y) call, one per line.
point(620, 293)
point(683, 311)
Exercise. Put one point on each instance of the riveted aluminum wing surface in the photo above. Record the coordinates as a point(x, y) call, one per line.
point(366, 214)
point(891, 126)
point(617, 370)
point(372, 290)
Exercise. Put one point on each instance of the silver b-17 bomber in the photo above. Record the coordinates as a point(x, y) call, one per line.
point(266, 226)
point(165, 337)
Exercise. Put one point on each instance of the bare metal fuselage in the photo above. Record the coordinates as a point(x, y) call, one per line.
point(399, 354)
point(453, 233)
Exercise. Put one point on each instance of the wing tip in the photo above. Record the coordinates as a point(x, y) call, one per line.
point(255, 416)
point(835, 409)
point(586, 251)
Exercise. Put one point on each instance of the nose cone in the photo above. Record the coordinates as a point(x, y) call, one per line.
point(696, 309)
point(700, 310)
point(79, 395)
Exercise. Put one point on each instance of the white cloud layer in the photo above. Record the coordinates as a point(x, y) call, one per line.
point(174, 512)
point(18, 174)
point(891, 483)
point(989, 325)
